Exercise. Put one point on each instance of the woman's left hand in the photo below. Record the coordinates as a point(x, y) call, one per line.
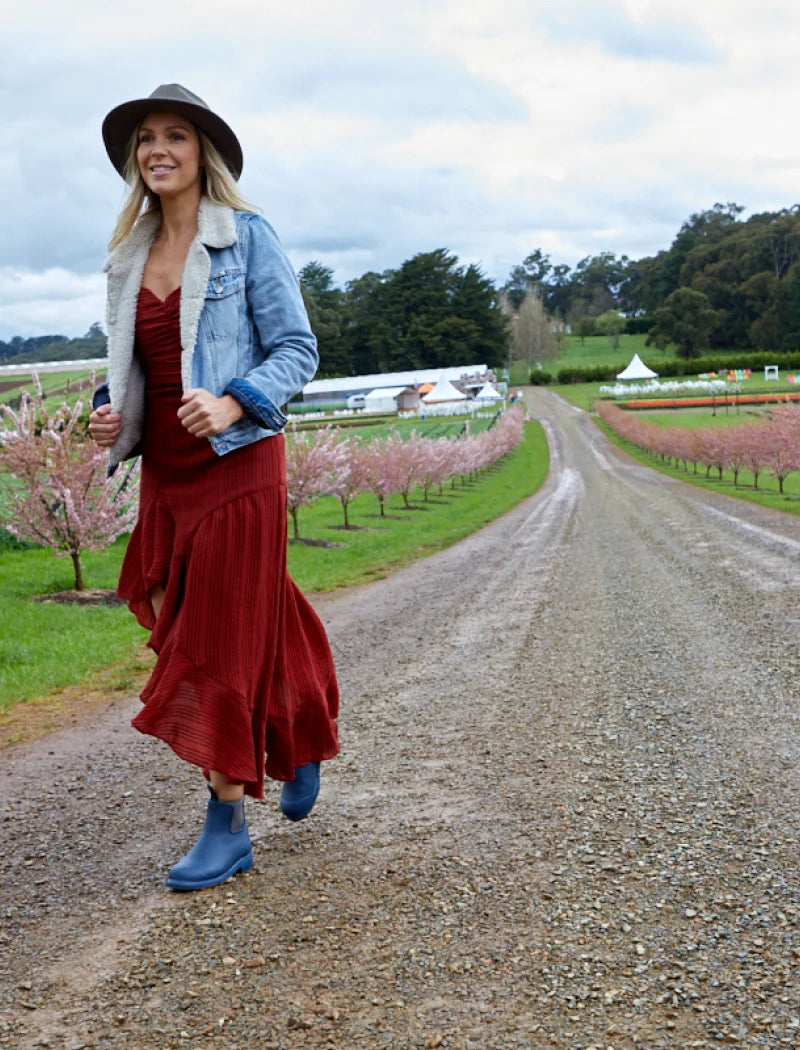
point(205, 415)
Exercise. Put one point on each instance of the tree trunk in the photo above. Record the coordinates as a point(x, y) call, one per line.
point(76, 565)
point(294, 511)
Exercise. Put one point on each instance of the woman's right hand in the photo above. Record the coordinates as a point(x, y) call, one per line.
point(105, 426)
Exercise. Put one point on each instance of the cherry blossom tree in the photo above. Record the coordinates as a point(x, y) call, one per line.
point(781, 455)
point(311, 465)
point(60, 496)
point(409, 462)
point(380, 470)
point(348, 476)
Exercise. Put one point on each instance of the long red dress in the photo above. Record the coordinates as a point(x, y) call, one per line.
point(244, 682)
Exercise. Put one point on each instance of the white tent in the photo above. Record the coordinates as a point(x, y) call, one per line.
point(488, 393)
point(383, 399)
point(637, 369)
point(443, 391)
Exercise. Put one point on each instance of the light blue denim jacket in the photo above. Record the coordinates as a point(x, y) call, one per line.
point(244, 329)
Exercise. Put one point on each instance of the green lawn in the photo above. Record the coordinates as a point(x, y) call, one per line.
point(45, 646)
point(597, 350)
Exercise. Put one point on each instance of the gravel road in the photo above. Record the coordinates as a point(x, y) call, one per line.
point(566, 815)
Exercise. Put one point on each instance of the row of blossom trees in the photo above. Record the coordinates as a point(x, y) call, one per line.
point(324, 463)
point(55, 491)
point(770, 443)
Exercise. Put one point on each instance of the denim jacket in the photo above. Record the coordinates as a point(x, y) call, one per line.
point(243, 326)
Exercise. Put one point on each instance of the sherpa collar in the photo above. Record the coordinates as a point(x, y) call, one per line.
point(216, 228)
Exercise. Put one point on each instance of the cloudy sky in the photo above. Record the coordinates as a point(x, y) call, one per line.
point(375, 130)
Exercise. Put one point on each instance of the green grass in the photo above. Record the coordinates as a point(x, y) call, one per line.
point(598, 350)
point(45, 646)
point(53, 384)
point(694, 418)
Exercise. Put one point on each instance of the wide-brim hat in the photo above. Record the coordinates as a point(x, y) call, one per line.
point(120, 124)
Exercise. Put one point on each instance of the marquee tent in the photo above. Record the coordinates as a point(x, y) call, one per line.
point(637, 369)
point(488, 393)
point(443, 391)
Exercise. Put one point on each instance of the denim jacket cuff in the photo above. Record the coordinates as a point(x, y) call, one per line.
point(101, 396)
point(256, 405)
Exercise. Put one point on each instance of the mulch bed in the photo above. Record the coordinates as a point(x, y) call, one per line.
point(89, 596)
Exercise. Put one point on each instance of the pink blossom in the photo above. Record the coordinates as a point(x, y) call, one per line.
point(63, 498)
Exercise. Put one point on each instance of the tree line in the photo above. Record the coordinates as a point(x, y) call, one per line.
point(723, 283)
point(22, 351)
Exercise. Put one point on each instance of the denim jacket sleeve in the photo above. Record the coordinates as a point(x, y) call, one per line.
point(288, 350)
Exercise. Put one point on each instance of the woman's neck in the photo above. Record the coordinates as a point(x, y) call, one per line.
point(179, 218)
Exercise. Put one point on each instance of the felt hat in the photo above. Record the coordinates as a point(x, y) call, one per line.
point(120, 124)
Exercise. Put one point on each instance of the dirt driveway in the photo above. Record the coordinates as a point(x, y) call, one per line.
point(567, 812)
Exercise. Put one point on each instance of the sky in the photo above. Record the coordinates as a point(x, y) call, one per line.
point(373, 131)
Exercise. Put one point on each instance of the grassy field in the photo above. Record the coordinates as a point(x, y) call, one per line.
point(46, 646)
point(53, 386)
point(598, 350)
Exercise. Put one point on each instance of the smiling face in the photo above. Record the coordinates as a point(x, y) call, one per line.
point(168, 154)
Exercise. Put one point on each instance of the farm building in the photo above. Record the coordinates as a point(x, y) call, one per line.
point(469, 378)
point(391, 399)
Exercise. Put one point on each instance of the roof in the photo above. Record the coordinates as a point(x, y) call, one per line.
point(350, 384)
point(443, 391)
point(385, 392)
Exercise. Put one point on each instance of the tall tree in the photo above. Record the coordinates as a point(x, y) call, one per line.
point(533, 338)
point(685, 319)
point(326, 308)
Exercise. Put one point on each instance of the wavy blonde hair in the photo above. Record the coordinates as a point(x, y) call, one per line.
point(218, 184)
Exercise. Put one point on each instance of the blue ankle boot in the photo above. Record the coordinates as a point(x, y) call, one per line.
point(221, 851)
point(299, 795)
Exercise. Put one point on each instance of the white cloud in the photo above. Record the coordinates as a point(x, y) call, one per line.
point(374, 131)
point(49, 302)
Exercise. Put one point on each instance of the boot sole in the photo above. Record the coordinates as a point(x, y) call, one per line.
point(241, 865)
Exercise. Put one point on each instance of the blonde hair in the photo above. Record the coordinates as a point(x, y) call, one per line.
point(217, 183)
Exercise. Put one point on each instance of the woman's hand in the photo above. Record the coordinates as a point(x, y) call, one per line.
point(105, 426)
point(205, 415)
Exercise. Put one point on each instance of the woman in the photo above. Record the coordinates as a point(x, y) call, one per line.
point(207, 339)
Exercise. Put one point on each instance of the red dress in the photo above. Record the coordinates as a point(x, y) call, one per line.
point(244, 682)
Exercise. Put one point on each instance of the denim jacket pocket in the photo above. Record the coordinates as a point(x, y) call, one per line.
point(225, 282)
point(222, 315)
